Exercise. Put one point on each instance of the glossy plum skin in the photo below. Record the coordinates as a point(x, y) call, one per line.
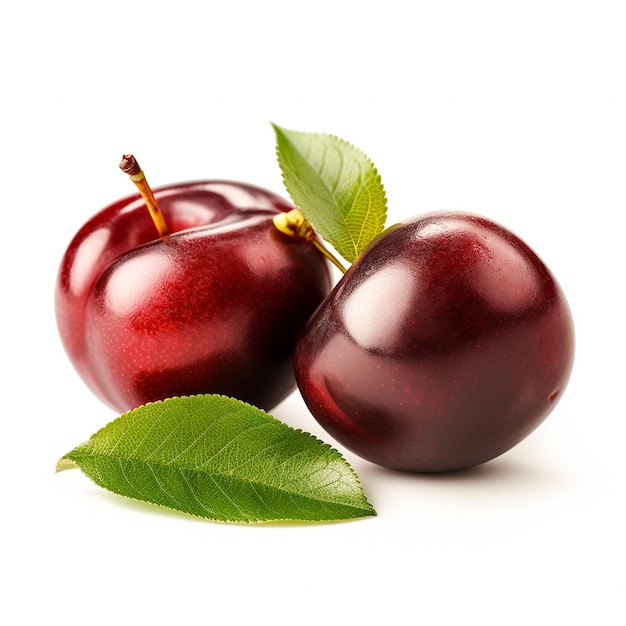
point(215, 309)
point(443, 346)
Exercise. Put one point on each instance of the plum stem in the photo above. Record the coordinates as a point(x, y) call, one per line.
point(294, 224)
point(130, 166)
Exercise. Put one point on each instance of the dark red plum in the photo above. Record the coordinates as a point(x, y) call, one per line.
point(444, 345)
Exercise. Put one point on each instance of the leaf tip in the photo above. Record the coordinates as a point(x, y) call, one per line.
point(371, 511)
point(64, 464)
point(279, 131)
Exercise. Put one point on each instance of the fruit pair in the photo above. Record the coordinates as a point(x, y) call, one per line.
point(444, 344)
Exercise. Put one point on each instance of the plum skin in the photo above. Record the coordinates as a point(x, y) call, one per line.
point(215, 309)
point(445, 344)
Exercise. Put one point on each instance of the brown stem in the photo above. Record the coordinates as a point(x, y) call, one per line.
point(130, 166)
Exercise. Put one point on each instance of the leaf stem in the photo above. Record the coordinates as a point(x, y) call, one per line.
point(294, 224)
point(328, 254)
point(130, 166)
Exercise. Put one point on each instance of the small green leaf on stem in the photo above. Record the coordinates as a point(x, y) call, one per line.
point(336, 186)
point(220, 459)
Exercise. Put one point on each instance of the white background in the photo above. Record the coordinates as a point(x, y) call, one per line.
point(515, 110)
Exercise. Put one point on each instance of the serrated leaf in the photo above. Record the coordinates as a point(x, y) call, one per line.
point(223, 460)
point(336, 187)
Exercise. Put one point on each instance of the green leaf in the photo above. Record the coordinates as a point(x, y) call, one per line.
point(336, 187)
point(220, 459)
